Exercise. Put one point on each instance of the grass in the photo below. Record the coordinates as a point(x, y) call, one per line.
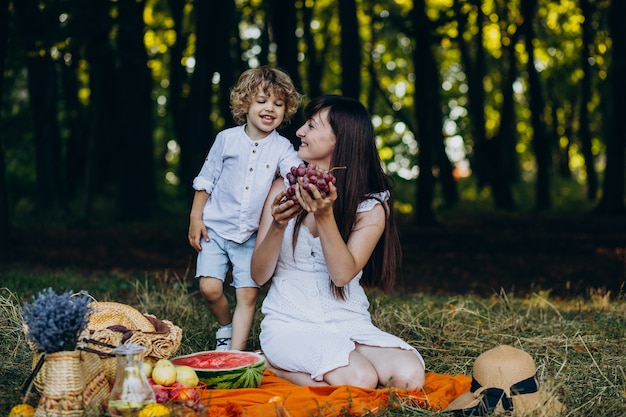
point(579, 345)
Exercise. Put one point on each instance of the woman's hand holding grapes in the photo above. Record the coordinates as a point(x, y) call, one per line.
point(315, 201)
point(319, 186)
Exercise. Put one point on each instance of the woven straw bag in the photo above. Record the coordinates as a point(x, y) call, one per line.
point(114, 324)
point(71, 383)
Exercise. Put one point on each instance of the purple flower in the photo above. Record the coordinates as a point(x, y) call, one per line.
point(55, 321)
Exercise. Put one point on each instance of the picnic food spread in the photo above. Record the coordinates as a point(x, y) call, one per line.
point(232, 383)
point(226, 369)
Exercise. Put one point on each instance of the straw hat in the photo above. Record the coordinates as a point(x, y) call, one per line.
point(107, 314)
point(503, 380)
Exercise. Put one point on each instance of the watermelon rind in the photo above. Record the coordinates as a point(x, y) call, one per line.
point(245, 376)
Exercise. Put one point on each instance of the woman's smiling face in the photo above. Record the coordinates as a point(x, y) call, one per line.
point(317, 140)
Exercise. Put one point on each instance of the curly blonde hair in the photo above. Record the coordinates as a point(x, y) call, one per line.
point(271, 80)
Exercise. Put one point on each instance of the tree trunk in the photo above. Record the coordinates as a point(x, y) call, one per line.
point(227, 30)
point(612, 201)
point(483, 166)
point(200, 131)
point(446, 175)
point(74, 125)
point(488, 165)
point(199, 105)
point(584, 133)
point(5, 241)
point(35, 25)
point(564, 159)
point(372, 87)
point(350, 49)
point(4, 200)
point(264, 43)
point(178, 76)
point(540, 141)
point(506, 137)
point(43, 93)
point(315, 70)
point(102, 146)
point(136, 180)
point(444, 166)
point(284, 23)
point(554, 104)
point(427, 111)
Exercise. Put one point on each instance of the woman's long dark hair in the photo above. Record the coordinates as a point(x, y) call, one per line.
point(355, 149)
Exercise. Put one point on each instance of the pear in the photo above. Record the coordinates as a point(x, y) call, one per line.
point(164, 373)
point(147, 368)
point(187, 376)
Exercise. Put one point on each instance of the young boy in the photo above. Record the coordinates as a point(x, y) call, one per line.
point(230, 191)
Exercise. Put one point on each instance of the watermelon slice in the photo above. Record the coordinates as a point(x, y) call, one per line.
point(226, 369)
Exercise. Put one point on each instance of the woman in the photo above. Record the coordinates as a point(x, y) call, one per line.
point(316, 328)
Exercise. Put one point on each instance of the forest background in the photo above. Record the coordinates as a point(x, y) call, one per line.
point(109, 108)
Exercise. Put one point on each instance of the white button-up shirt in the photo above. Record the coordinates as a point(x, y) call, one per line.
point(238, 173)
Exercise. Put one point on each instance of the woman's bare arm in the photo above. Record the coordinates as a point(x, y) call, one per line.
point(274, 218)
point(343, 260)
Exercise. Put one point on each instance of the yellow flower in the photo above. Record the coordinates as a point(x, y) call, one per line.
point(22, 410)
point(154, 410)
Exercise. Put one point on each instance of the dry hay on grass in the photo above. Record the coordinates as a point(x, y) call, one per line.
point(579, 345)
point(15, 365)
point(170, 298)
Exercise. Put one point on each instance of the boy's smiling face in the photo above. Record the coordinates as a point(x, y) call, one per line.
point(265, 113)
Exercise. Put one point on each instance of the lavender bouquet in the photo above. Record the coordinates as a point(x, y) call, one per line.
point(54, 322)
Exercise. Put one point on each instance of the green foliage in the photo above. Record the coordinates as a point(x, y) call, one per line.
point(387, 80)
point(568, 196)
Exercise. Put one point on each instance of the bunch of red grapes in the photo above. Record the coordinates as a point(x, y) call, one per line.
point(310, 174)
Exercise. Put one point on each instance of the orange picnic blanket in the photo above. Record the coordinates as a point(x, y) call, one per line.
point(278, 397)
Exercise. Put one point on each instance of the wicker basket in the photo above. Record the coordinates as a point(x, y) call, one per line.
point(114, 324)
point(71, 383)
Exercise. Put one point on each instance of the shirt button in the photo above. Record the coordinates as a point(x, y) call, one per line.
point(253, 150)
point(247, 187)
point(251, 169)
point(256, 143)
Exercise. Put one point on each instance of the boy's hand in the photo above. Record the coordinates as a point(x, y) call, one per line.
point(197, 231)
point(284, 209)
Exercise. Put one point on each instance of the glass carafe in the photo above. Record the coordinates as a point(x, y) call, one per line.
point(131, 391)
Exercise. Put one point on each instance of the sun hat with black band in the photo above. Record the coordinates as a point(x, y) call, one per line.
point(504, 381)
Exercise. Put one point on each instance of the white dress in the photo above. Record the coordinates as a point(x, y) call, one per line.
point(305, 328)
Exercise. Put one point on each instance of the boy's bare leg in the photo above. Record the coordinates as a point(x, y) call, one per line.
point(212, 290)
point(243, 316)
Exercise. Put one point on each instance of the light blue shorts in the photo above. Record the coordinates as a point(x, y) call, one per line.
point(218, 254)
